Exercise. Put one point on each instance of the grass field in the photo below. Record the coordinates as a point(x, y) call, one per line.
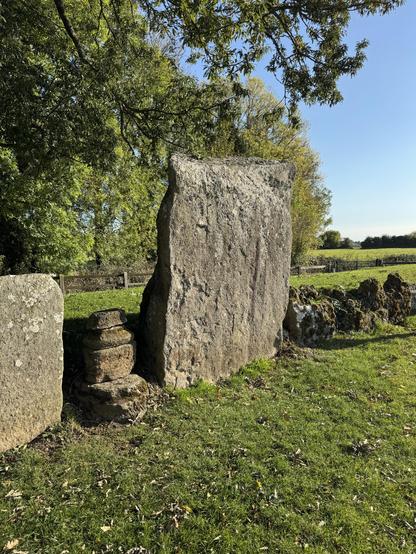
point(82, 304)
point(358, 254)
point(350, 279)
point(314, 452)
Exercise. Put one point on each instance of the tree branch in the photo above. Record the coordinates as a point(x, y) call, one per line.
point(69, 29)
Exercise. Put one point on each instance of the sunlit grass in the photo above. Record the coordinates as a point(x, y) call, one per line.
point(363, 254)
point(350, 279)
point(314, 452)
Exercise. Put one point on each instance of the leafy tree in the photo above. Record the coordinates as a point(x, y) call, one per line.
point(76, 70)
point(331, 239)
point(74, 120)
point(256, 126)
point(119, 211)
point(39, 230)
point(386, 241)
point(347, 243)
point(81, 77)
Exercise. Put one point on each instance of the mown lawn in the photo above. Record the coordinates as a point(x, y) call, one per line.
point(81, 305)
point(363, 254)
point(315, 451)
point(350, 279)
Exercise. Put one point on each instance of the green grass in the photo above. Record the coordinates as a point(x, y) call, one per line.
point(78, 306)
point(350, 279)
point(363, 254)
point(313, 452)
point(81, 305)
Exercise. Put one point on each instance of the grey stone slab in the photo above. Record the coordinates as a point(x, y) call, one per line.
point(31, 357)
point(219, 293)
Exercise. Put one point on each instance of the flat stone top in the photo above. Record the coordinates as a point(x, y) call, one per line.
point(252, 174)
point(179, 159)
point(105, 319)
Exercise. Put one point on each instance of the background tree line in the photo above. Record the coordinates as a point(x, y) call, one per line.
point(94, 101)
point(386, 241)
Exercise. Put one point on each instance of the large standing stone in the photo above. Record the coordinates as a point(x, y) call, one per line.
point(220, 289)
point(31, 357)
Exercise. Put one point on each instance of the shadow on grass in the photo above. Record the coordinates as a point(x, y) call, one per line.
point(351, 342)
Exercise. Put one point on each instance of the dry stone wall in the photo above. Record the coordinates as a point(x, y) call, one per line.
point(219, 293)
point(313, 315)
point(31, 357)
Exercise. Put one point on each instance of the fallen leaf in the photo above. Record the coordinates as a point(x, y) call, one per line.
point(14, 494)
point(187, 509)
point(105, 528)
point(11, 544)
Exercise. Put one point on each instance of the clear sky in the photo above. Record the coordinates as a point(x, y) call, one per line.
point(367, 144)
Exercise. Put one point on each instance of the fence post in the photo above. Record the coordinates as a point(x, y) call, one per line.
point(126, 280)
point(62, 283)
point(356, 264)
point(299, 270)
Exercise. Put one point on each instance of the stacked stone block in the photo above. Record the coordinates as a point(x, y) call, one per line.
point(110, 391)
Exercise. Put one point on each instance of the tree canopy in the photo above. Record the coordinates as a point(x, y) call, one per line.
point(94, 99)
point(74, 71)
point(304, 40)
point(331, 239)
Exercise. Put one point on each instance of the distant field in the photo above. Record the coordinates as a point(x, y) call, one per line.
point(358, 254)
point(350, 279)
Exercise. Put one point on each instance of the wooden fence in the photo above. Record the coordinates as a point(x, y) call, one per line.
point(334, 266)
point(100, 281)
point(124, 280)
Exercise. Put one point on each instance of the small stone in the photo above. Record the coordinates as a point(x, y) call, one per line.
point(399, 298)
point(307, 320)
point(121, 400)
point(108, 338)
point(106, 319)
point(110, 363)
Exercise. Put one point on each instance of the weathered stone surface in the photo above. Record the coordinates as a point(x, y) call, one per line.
point(110, 363)
point(412, 299)
point(372, 296)
point(351, 316)
point(108, 338)
point(31, 357)
point(309, 318)
point(106, 319)
point(121, 400)
point(219, 293)
point(399, 298)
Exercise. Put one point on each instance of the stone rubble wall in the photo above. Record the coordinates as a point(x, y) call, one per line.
point(314, 315)
point(413, 299)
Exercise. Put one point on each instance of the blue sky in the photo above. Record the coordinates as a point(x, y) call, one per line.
point(367, 144)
